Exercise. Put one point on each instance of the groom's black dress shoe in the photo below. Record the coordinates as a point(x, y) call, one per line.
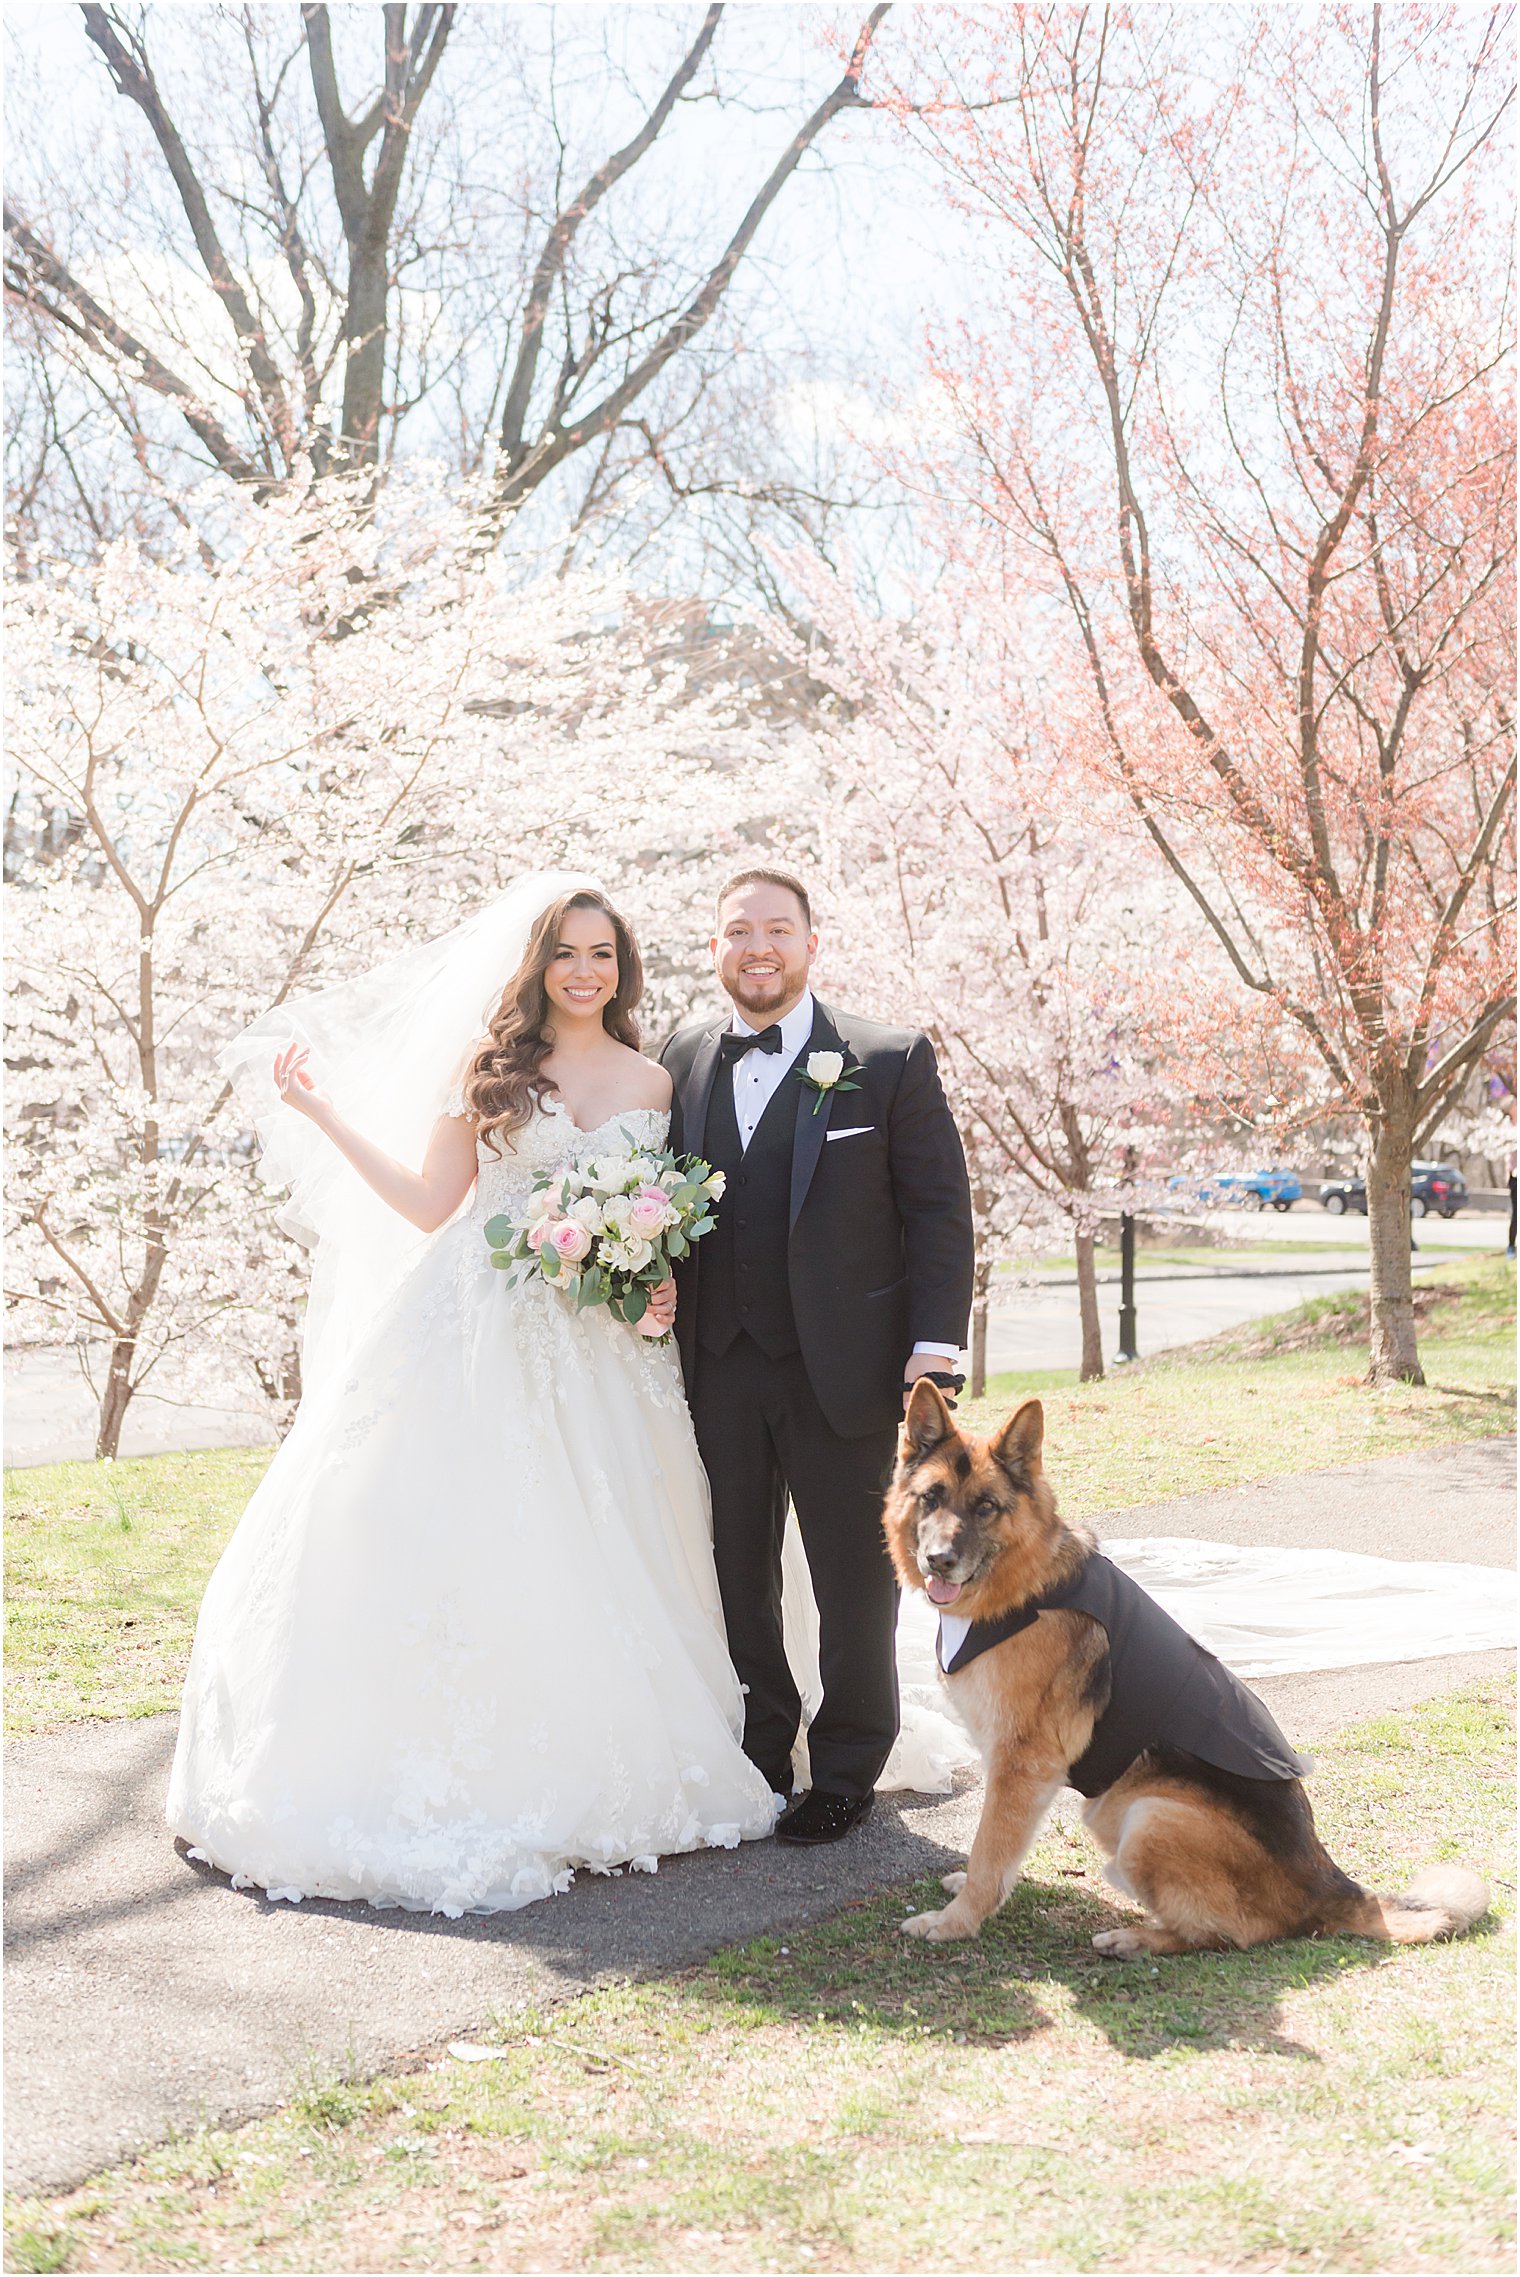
point(822, 1817)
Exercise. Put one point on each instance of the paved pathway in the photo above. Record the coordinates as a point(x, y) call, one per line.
point(145, 1996)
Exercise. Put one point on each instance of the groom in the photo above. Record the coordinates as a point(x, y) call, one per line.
point(839, 1269)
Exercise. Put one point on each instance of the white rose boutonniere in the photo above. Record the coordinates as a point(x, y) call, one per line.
point(823, 1073)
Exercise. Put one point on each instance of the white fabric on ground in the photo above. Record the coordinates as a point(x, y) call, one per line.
point(1265, 1612)
point(1275, 1612)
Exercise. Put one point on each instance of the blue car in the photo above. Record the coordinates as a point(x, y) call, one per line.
point(1247, 1189)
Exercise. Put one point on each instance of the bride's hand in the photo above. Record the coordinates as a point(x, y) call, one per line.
point(662, 1307)
point(294, 1085)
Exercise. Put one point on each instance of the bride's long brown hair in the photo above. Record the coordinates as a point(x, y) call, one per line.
point(505, 1078)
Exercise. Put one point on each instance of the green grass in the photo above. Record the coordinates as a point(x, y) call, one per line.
point(106, 1563)
point(845, 2099)
point(1274, 1396)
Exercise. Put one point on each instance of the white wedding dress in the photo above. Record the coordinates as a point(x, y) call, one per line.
point(467, 1637)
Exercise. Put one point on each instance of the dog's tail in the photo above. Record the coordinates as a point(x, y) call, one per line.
point(1440, 1902)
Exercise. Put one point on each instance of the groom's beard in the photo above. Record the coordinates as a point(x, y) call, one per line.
point(771, 1001)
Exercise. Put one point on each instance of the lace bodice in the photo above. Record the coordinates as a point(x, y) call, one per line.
point(552, 1141)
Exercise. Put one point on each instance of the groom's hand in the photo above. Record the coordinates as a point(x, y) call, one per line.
point(662, 1303)
point(919, 1364)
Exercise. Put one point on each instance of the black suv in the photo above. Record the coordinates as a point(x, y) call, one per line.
point(1433, 1186)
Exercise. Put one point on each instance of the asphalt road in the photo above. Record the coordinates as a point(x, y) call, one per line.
point(145, 1996)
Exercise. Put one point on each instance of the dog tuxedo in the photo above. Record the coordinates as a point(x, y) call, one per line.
point(1165, 1690)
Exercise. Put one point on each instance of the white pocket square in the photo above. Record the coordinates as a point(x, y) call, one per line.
point(856, 1130)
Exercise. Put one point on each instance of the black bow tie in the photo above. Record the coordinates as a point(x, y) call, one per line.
point(733, 1046)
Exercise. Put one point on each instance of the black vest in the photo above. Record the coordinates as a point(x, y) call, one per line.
point(1164, 1689)
point(743, 1282)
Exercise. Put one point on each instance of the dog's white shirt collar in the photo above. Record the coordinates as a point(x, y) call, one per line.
point(953, 1631)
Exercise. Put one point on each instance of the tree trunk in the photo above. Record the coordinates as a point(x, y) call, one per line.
point(1394, 1357)
point(116, 1398)
point(1087, 1300)
point(364, 374)
point(980, 1288)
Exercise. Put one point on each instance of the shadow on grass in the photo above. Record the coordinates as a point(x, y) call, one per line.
point(858, 1972)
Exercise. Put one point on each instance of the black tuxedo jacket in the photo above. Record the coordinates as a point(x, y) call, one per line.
point(879, 1237)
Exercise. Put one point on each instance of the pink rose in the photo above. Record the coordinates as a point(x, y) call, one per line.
point(569, 1241)
point(648, 1213)
point(538, 1233)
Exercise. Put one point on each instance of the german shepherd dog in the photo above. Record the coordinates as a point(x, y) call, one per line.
point(1216, 1859)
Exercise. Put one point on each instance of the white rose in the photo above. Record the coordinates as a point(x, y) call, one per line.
point(542, 1206)
point(615, 1214)
point(589, 1213)
point(825, 1068)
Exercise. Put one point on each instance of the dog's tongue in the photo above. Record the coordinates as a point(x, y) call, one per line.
point(941, 1592)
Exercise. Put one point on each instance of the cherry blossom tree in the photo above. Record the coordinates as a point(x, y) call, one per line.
point(279, 757)
point(1240, 399)
point(969, 892)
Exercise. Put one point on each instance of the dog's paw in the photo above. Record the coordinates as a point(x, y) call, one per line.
point(938, 1928)
point(953, 1883)
point(1120, 1944)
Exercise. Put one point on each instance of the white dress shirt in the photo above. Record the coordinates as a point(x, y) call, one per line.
point(759, 1076)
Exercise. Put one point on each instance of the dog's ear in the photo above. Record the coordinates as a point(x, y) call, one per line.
point(927, 1423)
point(1017, 1446)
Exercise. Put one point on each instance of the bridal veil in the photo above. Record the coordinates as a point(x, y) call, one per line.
point(385, 1046)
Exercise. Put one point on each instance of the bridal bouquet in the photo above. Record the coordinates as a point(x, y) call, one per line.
point(607, 1232)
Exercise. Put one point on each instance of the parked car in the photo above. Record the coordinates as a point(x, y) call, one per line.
point(1245, 1189)
point(1433, 1186)
point(1260, 1189)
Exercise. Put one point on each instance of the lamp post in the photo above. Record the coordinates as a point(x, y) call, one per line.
point(1128, 1346)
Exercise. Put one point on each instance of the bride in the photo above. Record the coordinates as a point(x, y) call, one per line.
point(466, 1637)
